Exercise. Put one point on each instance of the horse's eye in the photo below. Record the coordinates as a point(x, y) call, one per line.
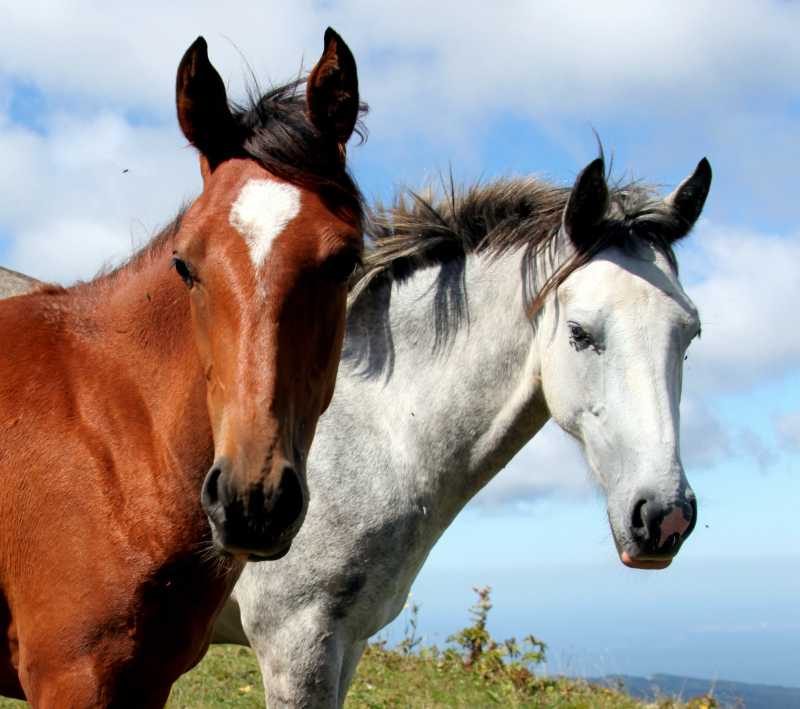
point(341, 266)
point(183, 271)
point(579, 339)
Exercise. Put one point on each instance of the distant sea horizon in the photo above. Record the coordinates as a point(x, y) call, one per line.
point(753, 695)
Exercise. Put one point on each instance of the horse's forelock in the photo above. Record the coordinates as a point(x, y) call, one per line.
point(275, 130)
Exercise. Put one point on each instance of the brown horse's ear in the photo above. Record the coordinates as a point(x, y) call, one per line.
point(587, 204)
point(689, 197)
point(203, 111)
point(332, 90)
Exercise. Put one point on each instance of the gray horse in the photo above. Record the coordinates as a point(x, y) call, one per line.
point(477, 318)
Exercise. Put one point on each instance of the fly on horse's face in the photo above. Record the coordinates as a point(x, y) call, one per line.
point(612, 362)
point(266, 260)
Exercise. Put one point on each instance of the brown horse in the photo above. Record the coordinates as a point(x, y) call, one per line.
point(122, 397)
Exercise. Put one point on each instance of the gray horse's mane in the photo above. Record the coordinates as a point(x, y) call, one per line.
point(439, 226)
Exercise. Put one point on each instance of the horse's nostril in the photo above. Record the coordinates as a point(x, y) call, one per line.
point(638, 518)
point(288, 500)
point(210, 493)
point(692, 516)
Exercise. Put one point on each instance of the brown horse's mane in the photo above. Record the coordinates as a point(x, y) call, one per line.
point(439, 226)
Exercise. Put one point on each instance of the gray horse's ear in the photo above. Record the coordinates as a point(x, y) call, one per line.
point(689, 197)
point(332, 90)
point(202, 103)
point(587, 204)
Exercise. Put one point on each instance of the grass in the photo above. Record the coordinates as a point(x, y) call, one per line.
point(389, 679)
point(229, 677)
point(475, 671)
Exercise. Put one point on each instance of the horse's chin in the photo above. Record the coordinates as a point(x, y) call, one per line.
point(243, 554)
point(644, 563)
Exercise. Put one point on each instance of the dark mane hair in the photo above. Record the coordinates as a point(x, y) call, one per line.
point(422, 230)
point(276, 131)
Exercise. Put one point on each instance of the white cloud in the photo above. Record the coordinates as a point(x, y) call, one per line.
point(562, 57)
point(431, 62)
point(551, 462)
point(88, 191)
point(65, 249)
point(127, 55)
point(437, 74)
point(746, 298)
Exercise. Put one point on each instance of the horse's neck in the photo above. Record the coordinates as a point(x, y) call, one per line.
point(445, 368)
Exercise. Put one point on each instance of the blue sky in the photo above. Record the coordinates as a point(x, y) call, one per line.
point(490, 90)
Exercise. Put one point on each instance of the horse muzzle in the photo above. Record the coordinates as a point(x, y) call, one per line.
point(249, 521)
point(656, 530)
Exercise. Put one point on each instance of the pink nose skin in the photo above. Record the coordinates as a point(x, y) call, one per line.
point(673, 523)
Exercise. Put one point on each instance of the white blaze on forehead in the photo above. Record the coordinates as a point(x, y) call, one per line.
point(261, 212)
